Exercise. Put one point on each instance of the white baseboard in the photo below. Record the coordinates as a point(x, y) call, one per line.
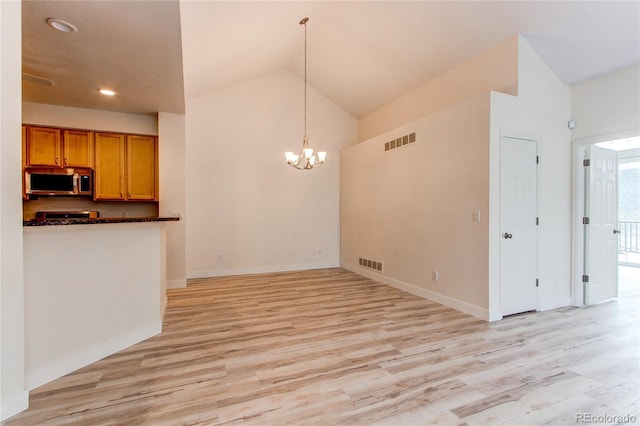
point(177, 283)
point(164, 307)
point(260, 269)
point(451, 302)
point(13, 404)
point(86, 356)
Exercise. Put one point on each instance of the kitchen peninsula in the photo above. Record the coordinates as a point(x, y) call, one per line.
point(92, 287)
point(90, 221)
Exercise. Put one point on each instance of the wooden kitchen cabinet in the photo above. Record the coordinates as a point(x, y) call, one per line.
point(77, 148)
point(109, 170)
point(54, 147)
point(43, 147)
point(125, 167)
point(142, 176)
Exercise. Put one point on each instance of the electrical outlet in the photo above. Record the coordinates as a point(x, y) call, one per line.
point(220, 258)
point(435, 275)
point(476, 216)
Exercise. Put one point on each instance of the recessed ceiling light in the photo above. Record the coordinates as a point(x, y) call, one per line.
point(61, 25)
point(107, 92)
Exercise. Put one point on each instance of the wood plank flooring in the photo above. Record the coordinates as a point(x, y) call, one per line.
point(329, 347)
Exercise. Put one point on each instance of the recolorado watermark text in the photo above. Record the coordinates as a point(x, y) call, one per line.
point(605, 418)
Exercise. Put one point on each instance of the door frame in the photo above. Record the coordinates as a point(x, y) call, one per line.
point(577, 250)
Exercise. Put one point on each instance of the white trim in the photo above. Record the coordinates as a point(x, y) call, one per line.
point(14, 404)
point(177, 283)
point(86, 356)
point(260, 270)
point(451, 302)
point(607, 137)
point(163, 309)
point(577, 240)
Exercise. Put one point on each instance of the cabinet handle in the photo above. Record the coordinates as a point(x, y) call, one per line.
point(57, 161)
point(65, 162)
point(129, 195)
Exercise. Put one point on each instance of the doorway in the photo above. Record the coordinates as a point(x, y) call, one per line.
point(597, 226)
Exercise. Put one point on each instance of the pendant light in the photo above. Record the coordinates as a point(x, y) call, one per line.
point(305, 160)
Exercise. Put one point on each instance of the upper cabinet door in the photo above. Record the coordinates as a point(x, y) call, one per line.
point(142, 161)
point(109, 183)
point(77, 146)
point(43, 147)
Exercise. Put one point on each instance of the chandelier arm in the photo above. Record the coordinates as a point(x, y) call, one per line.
point(304, 163)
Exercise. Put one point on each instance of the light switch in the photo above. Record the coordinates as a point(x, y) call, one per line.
point(476, 216)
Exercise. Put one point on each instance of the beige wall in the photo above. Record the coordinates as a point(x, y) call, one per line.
point(247, 210)
point(607, 104)
point(13, 397)
point(416, 215)
point(172, 193)
point(82, 118)
point(412, 208)
point(496, 69)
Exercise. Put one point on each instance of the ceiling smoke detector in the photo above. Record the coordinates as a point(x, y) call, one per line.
point(61, 25)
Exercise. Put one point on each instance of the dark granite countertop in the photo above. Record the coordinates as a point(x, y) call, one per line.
point(84, 221)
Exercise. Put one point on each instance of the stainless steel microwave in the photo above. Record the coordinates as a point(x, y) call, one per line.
point(58, 181)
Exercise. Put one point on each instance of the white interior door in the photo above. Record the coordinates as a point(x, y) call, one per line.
point(601, 238)
point(518, 212)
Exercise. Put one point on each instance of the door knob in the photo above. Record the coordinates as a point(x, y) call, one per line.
point(616, 231)
point(507, 236)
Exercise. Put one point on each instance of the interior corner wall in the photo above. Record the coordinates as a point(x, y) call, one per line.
point(540, 111)
point(247, 211)
point(13, 395)
point(171, 140)
point(607, 104)
point(495, 69)
point(411, 208)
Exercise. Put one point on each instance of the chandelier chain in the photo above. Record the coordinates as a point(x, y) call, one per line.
point(305, 79)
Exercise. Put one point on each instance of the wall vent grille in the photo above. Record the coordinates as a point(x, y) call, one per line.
point(371, 264)
point(400, 142)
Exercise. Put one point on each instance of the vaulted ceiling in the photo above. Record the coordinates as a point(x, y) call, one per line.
point(361, 54)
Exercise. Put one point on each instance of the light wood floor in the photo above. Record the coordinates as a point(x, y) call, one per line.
point(330, 347)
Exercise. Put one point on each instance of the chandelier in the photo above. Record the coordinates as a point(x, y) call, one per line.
point(305, 160)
